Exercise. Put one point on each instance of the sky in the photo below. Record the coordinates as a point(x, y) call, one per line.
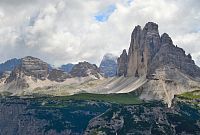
point(69, 31)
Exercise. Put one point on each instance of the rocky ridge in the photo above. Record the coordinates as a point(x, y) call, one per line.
point(83, 69)
point(34, 73)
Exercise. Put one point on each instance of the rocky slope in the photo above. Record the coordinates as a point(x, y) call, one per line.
point(108, 65)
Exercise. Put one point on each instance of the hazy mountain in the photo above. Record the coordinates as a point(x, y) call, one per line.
point(9, 65)
point(108, 65)
point(66, 68)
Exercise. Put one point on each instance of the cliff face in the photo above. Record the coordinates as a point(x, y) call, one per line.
point(149, 52)
point(145, 43)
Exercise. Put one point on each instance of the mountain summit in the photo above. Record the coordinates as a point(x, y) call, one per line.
point(167, 68)
point(149, 52)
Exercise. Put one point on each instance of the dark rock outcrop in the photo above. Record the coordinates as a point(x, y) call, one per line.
point(122, 63)
point(108, 65)
point(58, 75)
point(83, 69)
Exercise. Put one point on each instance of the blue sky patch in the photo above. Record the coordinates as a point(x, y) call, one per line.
point(103, 15)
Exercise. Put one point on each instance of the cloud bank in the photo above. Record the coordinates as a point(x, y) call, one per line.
point(63, 31)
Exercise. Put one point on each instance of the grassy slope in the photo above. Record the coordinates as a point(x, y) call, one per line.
point(190, 95)
point(111, 98)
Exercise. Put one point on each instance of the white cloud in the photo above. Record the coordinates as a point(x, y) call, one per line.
point(62, 31)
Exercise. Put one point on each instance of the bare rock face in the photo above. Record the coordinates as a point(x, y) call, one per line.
point(174, 57)
point(29, 67)
point(34, 67)
point(167, 68)
point(122, 64)
point(83, 69)
point(58, 75)
point(145, 43)
point(149, 52)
